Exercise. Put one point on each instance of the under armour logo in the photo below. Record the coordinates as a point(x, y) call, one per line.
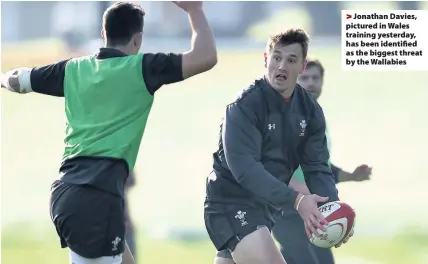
point(271, 126)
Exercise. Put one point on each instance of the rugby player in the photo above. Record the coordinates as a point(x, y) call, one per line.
point(273, 127)
point(289, 228)
point(108, 97)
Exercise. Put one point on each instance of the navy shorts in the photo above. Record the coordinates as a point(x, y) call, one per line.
point(89, 221)
point(227, 224)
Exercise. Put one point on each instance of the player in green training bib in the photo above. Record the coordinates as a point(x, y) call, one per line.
point(108, 98)
point(289, 230)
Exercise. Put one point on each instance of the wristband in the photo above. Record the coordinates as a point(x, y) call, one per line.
point(300, 200)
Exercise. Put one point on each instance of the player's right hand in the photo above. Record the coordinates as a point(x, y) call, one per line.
point(311, 216)
point(188, 6)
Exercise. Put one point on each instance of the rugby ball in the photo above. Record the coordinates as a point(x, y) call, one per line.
point(341, 220)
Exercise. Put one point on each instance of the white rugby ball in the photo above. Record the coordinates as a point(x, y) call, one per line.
point(341, 220)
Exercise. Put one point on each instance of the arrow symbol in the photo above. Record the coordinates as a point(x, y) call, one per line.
point(348, 16)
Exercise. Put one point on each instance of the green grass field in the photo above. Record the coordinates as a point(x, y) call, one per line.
point(32, 247)
point(377, 118)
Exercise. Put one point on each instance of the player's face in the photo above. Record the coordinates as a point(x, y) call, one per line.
point(284, 64)
point(311, 80)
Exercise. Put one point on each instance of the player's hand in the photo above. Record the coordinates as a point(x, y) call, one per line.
point(1, 80)
point(189, 6)
point(312, 217)
point(346, 239)
point(361, 173)
point(10, 81)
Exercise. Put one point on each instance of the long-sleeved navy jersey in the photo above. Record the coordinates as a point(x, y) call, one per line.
point(264, 138)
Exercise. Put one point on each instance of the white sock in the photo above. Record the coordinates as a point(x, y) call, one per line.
point(77, 259)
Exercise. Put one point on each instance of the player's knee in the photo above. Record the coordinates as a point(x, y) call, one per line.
point(77, 259)
point(256, 248)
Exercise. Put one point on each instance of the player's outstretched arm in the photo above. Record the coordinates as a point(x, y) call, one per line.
point(47, 79)
point(165, 68)
point(361, 173)
point(203, 53)
point(242, 143)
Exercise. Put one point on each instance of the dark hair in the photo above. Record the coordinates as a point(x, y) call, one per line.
point(122, 21)
point(315, 63)
point(291, 36)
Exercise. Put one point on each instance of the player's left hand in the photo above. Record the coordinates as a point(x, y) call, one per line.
point(361, 173)
point(188, 6)
point(346, 239)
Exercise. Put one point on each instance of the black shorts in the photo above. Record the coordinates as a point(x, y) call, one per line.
point(89, 221)
point(227, 224)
